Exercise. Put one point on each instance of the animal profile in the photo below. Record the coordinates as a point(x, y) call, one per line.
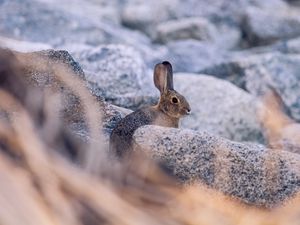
point(167, 112)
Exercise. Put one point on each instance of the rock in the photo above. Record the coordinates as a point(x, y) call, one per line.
point(59, 23)
point(64, 58)
point(229, 37)
point(111, 116)
point(72, 111)
point(41, 21)
point(229, 12)
point(43, 69)
point(202, 56)
point(189, 28)
point(219, 107)
point(255, 73)
point(144, 15)
point(264, 27)
point(253, 174)
point(99, 10)
point(198, 28)
point(291, 46)
point(119, 74)
point(295, 3)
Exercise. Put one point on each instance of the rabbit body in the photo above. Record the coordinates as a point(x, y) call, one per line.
point(121, 136)
point(170, 108)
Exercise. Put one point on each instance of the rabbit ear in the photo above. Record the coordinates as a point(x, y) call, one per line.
point(163, 76)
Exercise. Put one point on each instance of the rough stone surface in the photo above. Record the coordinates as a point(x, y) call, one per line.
point(263, 27)
point(291, 46)
point(72, 109)
point(223, 10)
point(224, 36)
point(111, 116)
point(252, 173)
point(53, 24)
point(232, 114)
point(193, 28)
point(255, 73)
point(41, 69)
point(144, 15)
point(64, 58)
point(118, 73)
point(60, 23)
point(202, 56)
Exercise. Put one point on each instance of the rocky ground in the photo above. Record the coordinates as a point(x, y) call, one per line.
point(224, 53)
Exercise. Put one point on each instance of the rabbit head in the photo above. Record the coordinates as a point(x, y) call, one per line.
point(171, 102)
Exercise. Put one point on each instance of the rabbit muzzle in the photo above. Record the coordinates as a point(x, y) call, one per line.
point(187, 111)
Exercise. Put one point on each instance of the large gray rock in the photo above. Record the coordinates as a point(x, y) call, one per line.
point(251, 173)
point(223, 10)
point(190, 28)
point(41, 70)
point(290, 46)
point(198, 28)
point(43, 21)
point(264, 27)
point(257, 72)
point(119, 74)
point(202, 55)
point(112, 115)
point(72, 111)
point(59, 23)
point(219, 107)
point(144, 15)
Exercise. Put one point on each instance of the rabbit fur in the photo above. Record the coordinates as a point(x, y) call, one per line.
point(170, 108)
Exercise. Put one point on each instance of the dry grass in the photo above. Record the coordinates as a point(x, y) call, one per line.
point(281, 131)
point(39, 185)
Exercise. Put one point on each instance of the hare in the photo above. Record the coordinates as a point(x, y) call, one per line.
point(170, 108)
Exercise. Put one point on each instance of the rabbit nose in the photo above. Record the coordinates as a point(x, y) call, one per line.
point(188, 111)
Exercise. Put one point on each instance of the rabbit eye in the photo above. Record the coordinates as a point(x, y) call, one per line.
point(174, 100)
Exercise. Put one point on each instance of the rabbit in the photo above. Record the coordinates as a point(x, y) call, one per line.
point(170, 108)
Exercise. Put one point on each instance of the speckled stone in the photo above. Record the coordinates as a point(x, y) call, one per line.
point(251, 173)
point(118, 74)
point(219, 107)
point(56, 22)
point(195, 28)
point(263, 26)
point(255, 73)
point(72, 109)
